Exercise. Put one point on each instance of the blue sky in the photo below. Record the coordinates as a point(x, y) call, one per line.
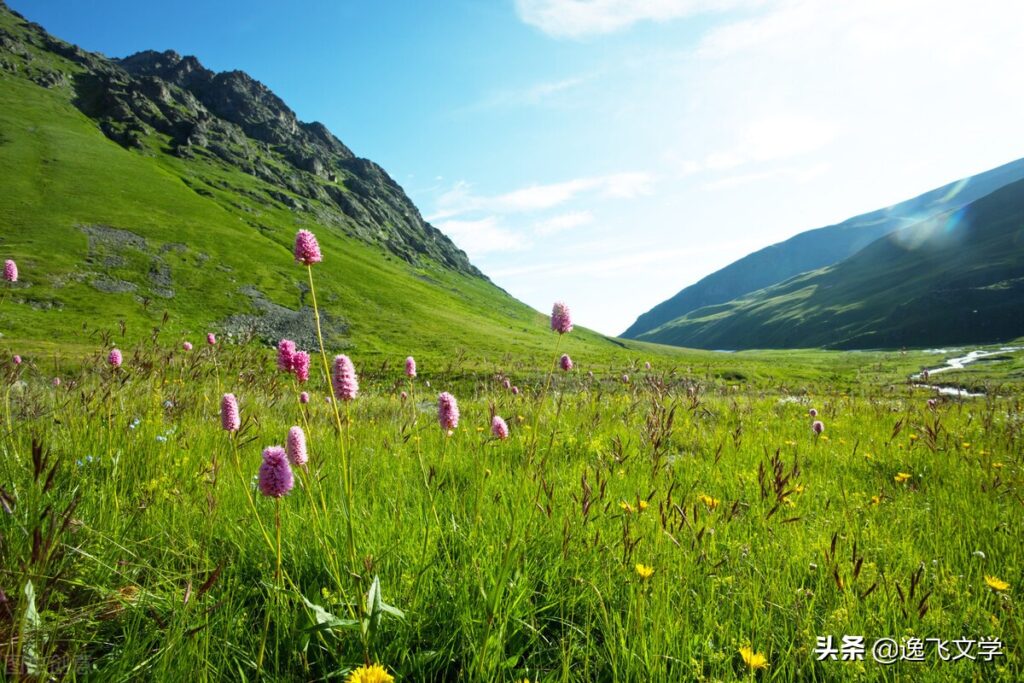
point(610, 152)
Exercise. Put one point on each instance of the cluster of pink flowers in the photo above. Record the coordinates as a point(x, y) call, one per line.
point(565, 362)
point(275, 476)
point(561, 319)
point(817, 427)
point(499, 428)
point(10, 270)
point(230, 419)
point(447, 411)
point(290, 359)
point(211, 339)
point(187, 346)
point(296, 446)
point(813, 412)
point(304, 397)
point(346, 384)
point(307, 250)
point(115, 358)
point(410, 367)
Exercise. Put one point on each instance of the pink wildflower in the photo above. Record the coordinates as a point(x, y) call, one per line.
point(300, 365)
point(818, 426)
point(410, 367)
point(561, 319)
point(304, 397)
point(813, 412)
point(115, 359)
point(56, 381)
point(625, 379)
point(296, 446)
point(275, 478)
point(17, 359)
point(307, 251)
point(229, 417)
point(404, 395)
point(447, 411)
point(499, 428)
point(10, 271)
point(507, 383)
point(515, 391)
point(647, 365)
point(187, 346)
point(285, 355)
point(346, 384)
point(932, 403)
point(565, 362)
point(211, 339)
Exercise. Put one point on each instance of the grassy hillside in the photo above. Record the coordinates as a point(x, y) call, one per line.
point(819, 248)
point(958, 278)
point(105, 233)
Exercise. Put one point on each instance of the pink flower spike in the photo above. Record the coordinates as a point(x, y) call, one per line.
point(304, 398)
point(211, 339)
point(346, 384)
point(275, 476)
point(565, 362)
point(499, 428)
point(300, 365)
point(17, 359)
point(285, 355)
point(115, 359)
point(404, 395)
point(515, 391)
point(447, 411)
point(813, 412)
point(410, 367)
point(56, 381)
point(561, 319)
point(307, 251)
point(647, 365)
point(296, 446)
point(187, 346)
point(818, 427)
point(507, 383)
point(229, 417)
point(10, 270)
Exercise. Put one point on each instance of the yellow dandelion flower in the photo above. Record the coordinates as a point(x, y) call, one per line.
point(479, 429)
point(913, 437)
point(901, 477)
point(993, 583)
point(790, 442)
point(643, 571)
point(627, 507)
point(965, 444)
point(712, 503)
point(868, 456)
point(370, 674)
point(754, 660)
point(643, 505)
point(997, 465)
point(799, 488)
point(823, 437)
point(876, 500)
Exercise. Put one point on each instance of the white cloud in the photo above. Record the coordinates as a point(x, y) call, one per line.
point(483, 236)
point(460, 199)
point(563, 222)
point(580, 18)
point(533, 95)
point(773, 138)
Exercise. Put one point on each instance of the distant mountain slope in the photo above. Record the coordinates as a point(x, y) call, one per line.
point(821, 247)
point(152, 191)
point(956, 278)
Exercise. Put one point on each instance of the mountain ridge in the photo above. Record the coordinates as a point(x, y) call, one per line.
point(817, 248)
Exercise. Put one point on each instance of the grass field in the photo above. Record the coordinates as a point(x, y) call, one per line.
point(640, 530)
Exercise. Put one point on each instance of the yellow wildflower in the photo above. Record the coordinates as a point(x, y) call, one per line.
point(876, 500)
point(901, 477)
point(626, 506)
point(712, 503)
point(370, 674)
point(994, 583)
point(643, 571)
point(913, 437)
point(966, 444)
point(643, 505)
point(997, 465)
point(755, 660)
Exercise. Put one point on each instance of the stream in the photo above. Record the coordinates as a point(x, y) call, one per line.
point(957, 363)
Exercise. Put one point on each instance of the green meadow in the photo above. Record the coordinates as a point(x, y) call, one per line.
point(682, 524)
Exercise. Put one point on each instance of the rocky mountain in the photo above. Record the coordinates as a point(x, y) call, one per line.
point(954, 278)
point(150, 196)
point(237, 121)
point(819, 248)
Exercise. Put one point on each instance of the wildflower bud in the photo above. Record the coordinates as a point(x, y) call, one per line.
point(296, 446)
point(229, 417)
point(187, 346)
point(818, 427)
